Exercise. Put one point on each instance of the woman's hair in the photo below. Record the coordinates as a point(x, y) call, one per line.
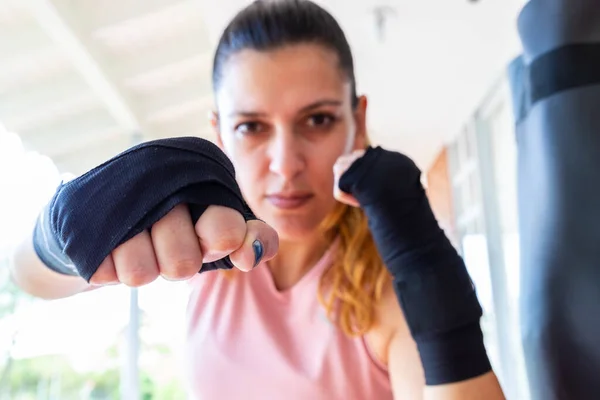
point(353, 285)
point(269, 24)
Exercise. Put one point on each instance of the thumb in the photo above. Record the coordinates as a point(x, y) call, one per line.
point(260, 244)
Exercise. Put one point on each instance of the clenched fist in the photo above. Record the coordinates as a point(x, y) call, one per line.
point(175, 248)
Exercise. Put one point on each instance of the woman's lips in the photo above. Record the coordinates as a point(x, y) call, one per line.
point(289, 201)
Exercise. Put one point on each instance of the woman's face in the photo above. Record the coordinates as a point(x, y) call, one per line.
point(284, 118)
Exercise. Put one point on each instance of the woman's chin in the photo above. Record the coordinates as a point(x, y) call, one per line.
point(295, 229)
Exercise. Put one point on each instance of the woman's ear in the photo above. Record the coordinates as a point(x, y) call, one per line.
point(360, 118)
point(213, 117)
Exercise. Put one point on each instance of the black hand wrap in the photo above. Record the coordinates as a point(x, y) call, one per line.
point(430, 279)
point(90, 216)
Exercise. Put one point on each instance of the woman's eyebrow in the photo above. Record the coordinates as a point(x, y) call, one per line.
point(321, 103)
point(312, 106)
point(247, 114)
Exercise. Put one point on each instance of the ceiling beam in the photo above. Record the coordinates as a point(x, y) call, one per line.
point(196, 67)
point(113, 12)
point(177, 21)
point(176, 96)
point(80, 52)
point(130, 66)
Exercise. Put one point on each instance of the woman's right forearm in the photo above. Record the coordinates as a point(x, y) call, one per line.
point(34, 277)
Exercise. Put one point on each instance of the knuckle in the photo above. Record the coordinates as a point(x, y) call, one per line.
point(228, 239)
point(221, 230)
point(136, 277)
point(181, 269)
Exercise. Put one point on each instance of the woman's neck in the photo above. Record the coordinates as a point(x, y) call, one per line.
point(295, 259)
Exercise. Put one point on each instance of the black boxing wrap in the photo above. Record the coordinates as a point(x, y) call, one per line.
point(90, 216)
point(430, 278)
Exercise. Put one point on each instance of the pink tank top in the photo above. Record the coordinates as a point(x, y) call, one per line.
point(247, 340)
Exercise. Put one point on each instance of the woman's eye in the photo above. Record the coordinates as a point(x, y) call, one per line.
point(320, 120)
point(248, 128)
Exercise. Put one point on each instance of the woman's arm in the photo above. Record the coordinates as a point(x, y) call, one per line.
point(32, 276)
point(400, 352)
point(99, 233)
point(430, 280)
point(406, 384)
point(406, 372)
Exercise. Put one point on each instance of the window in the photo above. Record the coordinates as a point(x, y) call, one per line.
point(483, 173)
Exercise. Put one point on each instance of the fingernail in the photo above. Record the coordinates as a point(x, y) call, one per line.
point(258, 252)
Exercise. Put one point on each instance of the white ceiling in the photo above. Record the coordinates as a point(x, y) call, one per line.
point(81, 80)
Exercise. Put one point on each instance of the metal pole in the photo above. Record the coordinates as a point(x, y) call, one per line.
point(130, 373)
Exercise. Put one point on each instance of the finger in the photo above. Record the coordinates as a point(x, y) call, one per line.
point(221, 231)
point(339, 168)
point(176, 245)
point(260, 244)
point(106, 273)
point(135, 262)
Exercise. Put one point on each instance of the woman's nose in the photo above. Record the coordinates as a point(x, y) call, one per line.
point(286, 157)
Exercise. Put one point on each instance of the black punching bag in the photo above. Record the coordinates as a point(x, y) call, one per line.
point(556, 95)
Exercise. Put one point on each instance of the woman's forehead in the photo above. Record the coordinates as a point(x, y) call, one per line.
point(292, 75)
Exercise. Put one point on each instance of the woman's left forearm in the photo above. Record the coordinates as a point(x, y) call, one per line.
point(430, 279)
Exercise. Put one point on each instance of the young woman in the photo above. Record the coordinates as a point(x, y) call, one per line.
point(318, 318)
